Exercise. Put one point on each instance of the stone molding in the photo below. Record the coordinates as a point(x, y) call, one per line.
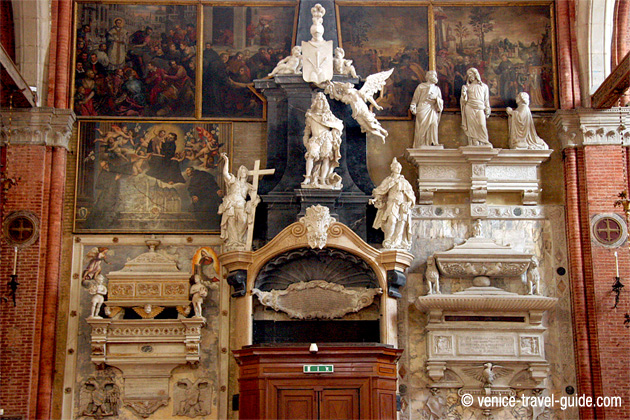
point(37, 127)
point(593, 127)
point(478, 171)
point(506, 212)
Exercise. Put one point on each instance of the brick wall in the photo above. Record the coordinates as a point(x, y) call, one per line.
point(20, 326)
point(594, 176)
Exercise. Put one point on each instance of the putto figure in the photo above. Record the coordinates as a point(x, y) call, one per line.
point(359, 99)
point(475, 105)
point(236, 211)
point(322, 139)
point(427, 106)
point(521, 124)
point(394, 199)
point(291, 64)
point(341, 65)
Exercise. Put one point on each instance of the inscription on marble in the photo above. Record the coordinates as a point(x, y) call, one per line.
point(146, 387)
point(486, 344)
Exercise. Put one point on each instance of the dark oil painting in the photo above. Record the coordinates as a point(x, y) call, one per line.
point(135, 60)
point(149, 176)
point(511, 46)
point(378, 38)
point(241, 44)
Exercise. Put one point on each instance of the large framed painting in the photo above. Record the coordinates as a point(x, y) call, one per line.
point(377, 38)
point(150, 176)
point(241, 44)
point(135, 60)
point(511, 45)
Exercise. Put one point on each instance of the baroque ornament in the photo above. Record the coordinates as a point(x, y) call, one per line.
point(317, 299)
point(317, 221)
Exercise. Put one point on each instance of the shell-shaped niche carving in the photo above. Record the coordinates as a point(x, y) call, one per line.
point(317, 299)
point(306, 265)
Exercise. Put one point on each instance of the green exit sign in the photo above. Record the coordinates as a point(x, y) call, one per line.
point(319, 369)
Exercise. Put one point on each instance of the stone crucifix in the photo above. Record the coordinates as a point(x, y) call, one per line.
point(237, 221)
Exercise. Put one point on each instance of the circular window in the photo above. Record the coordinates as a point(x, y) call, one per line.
point(21, 229)
point(609, 229)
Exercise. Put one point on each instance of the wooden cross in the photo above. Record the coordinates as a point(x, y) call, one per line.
point(255, 173)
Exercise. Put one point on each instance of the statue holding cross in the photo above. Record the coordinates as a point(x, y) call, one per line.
point(237, 222)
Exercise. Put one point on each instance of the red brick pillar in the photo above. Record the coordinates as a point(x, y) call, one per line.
point(36, 154)
point(595, 171)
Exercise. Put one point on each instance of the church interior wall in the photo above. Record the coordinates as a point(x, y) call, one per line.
point(537, 229)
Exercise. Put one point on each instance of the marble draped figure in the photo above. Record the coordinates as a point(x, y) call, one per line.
point(427, 106)
point(521, 126)
point(236, 211)
point(394, 199)
point(291, 64)
point(322, 139)
point(475, 106)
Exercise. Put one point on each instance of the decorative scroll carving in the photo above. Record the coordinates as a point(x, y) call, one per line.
point(473, 269)
point(317, 299)
point(144, 408)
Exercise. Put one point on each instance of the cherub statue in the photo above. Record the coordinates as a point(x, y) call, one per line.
point(291, 64)
point(322, 139)
point(341, 65)
point(533, 277)
point(394, 199)
point(236, 211)
point(198, 292)
point(358, 100)
point(433, 276)
point(98, 290)
point(521, 124)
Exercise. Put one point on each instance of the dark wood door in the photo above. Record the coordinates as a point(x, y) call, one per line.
point(297, 404)
point(318, 404)
point(339, 404)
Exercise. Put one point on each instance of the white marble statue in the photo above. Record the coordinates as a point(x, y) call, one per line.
point(236, 211)
point(475, 105)
point(322, 139)
point(317, 54)
point(341, 65)
point(98, 290)
point(533, 277)
point(291, 64)
point(521, 126)
point(359, 99)
point(427, 106)
point(433, 276)
point(198, 293)
point(394, 199)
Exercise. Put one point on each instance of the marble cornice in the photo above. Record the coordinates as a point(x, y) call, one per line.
point(593, 127)
point(37, 126)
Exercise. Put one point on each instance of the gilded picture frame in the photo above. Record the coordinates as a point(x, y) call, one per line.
point(150, 176)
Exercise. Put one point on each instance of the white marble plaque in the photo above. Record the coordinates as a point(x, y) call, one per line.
point(486, 344)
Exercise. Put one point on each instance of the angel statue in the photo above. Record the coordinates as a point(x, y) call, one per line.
point(93, 269)
point(358, 100)
point(198, 293)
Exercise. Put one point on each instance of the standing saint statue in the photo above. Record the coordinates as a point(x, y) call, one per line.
point(475, 105)
point(236, 211)
point(322, 139)
point(427, 106)
point(394, 199)
point(521, 124)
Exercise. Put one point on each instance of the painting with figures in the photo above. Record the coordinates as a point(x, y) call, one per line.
point(150, 176)
point(512, 46)
point(135, 60)
point(241, 44)
point(379, 38)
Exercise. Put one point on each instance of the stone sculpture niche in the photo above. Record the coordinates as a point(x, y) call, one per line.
point(485, 340)
point(147, 350)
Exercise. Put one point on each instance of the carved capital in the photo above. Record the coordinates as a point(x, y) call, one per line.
point(589, 127)
point(37, 127)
